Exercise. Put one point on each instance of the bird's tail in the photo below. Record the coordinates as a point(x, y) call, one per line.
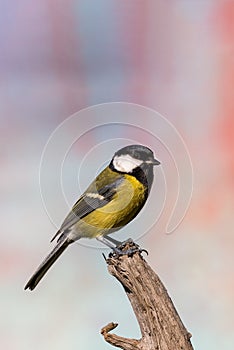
point(47, 263)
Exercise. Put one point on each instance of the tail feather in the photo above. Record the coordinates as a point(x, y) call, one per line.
point(47, 263)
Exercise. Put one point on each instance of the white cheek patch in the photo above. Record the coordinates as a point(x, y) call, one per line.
point(126, 163)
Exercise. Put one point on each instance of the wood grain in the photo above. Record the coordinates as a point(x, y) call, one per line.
point(160, 325)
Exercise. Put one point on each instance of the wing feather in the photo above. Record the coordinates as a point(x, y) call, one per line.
point(87, 203)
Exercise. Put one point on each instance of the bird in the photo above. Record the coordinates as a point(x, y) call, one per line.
point(110, 202)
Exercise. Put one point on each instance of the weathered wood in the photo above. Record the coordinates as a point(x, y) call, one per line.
point(160, 325)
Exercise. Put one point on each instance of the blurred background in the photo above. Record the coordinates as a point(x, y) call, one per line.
point(59, 57)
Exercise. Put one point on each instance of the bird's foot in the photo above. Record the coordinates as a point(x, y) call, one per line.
point(128, 248)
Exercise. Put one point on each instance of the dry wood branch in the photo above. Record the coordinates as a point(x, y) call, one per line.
point(160, 324)
point(120, 342)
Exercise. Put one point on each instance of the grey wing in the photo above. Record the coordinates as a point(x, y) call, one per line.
point(89, 202)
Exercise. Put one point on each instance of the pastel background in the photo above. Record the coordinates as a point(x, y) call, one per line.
point(58, 57)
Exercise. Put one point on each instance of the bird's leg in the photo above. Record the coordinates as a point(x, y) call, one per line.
point(118, 249)
point(117, 243)
point(110, 245)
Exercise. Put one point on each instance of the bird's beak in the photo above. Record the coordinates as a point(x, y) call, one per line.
point(153, 161)
point(156, 162)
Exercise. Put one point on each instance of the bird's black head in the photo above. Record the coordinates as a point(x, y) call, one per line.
point(131, 157)
point(138, 161)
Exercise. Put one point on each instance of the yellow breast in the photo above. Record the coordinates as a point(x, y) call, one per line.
point(123, 207)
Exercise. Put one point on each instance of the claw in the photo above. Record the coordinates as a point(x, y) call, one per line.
point(104, 256)
point(144, 251)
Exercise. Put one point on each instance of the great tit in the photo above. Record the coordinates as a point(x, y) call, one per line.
point(112, 200)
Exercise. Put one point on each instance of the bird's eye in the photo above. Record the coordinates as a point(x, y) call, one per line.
point(138, 155)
